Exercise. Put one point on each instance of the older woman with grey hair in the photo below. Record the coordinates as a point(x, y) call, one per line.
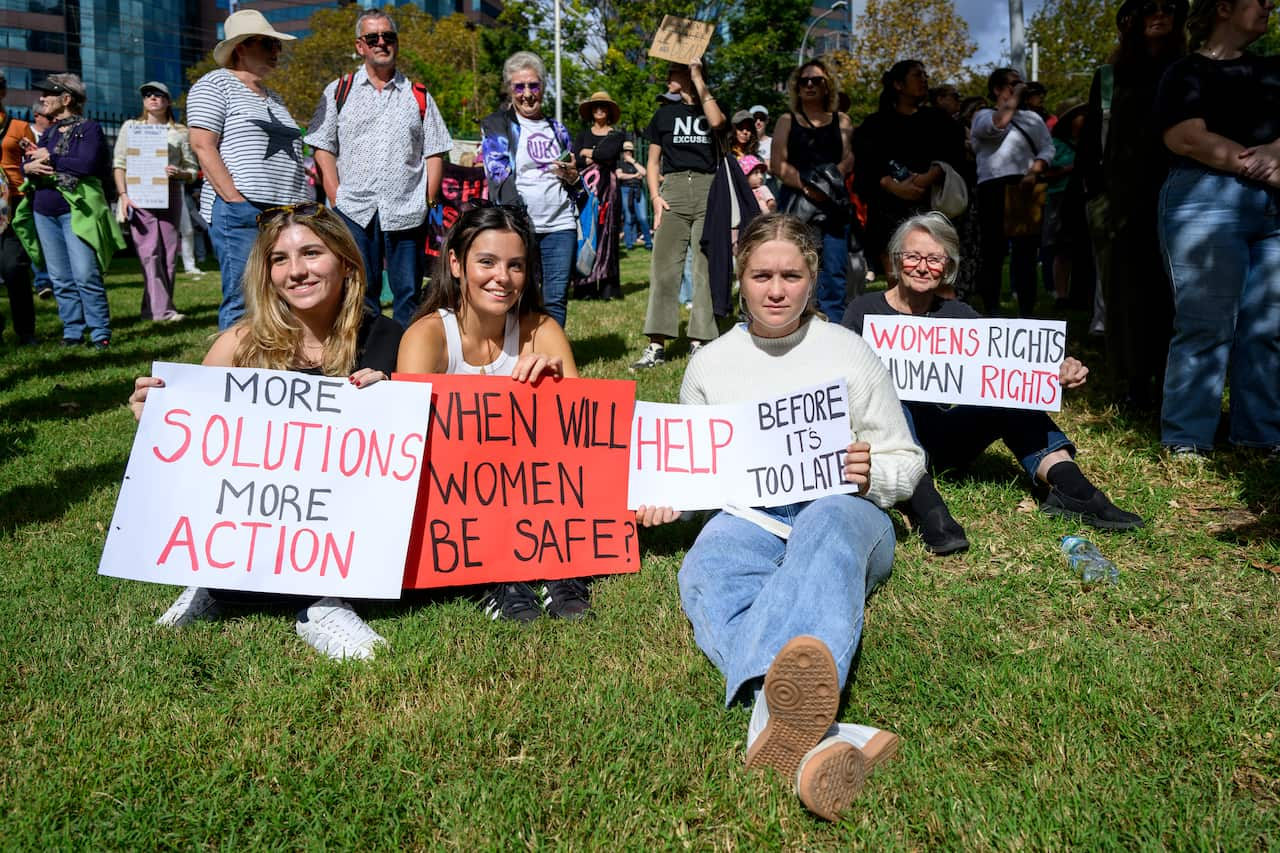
point(528, 160)
point(924, 257)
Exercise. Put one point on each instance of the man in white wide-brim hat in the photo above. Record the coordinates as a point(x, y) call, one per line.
point(249, 147)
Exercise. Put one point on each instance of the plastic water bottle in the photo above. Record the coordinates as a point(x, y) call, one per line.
point(1087, 561)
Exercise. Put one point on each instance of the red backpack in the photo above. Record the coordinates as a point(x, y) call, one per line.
point(346, 81)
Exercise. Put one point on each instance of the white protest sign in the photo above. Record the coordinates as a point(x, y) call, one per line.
point(270, 481)
point(1008, 363)
point(768, 452)
point(146, 156)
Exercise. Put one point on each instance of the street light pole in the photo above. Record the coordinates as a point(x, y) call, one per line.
point(835, 7)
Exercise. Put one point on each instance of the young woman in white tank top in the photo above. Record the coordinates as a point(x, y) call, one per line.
point(482, 315)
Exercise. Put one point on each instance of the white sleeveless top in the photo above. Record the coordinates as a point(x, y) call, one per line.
point(500, 366)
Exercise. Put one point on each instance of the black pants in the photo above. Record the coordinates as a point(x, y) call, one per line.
point(15, 266)
point(995, 246)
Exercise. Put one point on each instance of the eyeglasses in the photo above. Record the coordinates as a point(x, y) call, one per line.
point(1152, 8)
point(811, 81)
point(531, 88)
point(298, 211)
point(915, 259)
point(390, 39)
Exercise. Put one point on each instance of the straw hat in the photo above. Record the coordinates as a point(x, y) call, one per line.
point(242, 25)
point(1067, 111)
point(599, 98)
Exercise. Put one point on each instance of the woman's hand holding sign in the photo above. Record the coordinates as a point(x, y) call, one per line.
point(857, 465)
point(1073, 373)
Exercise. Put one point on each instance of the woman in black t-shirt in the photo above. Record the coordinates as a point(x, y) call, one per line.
point(1219, 108)
point(682, 154)
point(897, 149)
point(304, 299)
point(811, 156)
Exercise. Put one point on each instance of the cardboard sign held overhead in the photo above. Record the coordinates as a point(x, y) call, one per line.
point(681, 39)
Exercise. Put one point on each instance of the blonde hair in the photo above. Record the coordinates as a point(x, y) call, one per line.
point(789, 229)
point(833, 85)
point(272, 335)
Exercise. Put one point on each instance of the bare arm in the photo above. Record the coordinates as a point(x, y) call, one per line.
point(205, 144)
point(846, 145)
point(435, 176)
point(715, 116)
point(544, 350)
point(778, 164)
point(1192, 138)
point(423, 348)
point(655, 193)
point(327, 166)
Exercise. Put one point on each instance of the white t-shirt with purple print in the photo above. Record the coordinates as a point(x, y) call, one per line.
point(549, 204)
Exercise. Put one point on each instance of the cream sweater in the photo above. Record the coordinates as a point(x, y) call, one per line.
point(739, 367)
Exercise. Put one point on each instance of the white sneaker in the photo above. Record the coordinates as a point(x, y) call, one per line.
point(331, 627)
point(194, 604)
point(877, 746)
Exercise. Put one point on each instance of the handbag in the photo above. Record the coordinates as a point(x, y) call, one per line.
point(1024, 209)
point(588, 234)
point(1023, 205)
point(950, 196)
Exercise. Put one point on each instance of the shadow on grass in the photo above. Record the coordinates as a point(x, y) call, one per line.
point(49, 500)
point(668, 539)
point(599, 348)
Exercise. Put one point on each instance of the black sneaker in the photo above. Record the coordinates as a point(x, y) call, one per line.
point(566, 599)
point(515, 601)
point(1098, 511)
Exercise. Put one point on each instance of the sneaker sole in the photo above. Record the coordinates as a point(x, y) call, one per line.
point(802, 690)
point(1091, 520)
point(829, 780)
point(882, 747)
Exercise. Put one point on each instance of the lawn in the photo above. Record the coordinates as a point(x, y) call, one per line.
point(1034, 714)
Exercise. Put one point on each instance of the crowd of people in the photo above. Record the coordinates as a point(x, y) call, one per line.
point(1155, 204)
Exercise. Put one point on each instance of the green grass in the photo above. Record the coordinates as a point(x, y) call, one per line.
point(1034, 715)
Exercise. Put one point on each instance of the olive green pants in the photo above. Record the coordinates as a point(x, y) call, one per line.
point(681, 232)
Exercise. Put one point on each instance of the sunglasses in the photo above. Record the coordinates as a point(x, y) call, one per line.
point(152, 93)
point(305, 210)
point(1151, 8)
point(531, 88)
point(388, 38)
point(265, 41)
point(812, 81)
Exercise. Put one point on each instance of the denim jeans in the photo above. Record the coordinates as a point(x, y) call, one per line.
point(953, 436)
point(747, 592)
point(1221, 240)
point(558, 249)
point(77, 281)
point(833, 275)
point(635, 218)
point(403, 253)
point(234, 228)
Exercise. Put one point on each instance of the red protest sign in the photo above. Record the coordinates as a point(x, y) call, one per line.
point(523, 482)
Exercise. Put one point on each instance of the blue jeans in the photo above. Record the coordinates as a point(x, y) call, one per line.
point(747, 592)
point(635, 217)
point(77, 281)
point(1221, 241)
point(954, 436)
point(234, 228)
point(833, 275)
point(403, 253)
point(558, 249)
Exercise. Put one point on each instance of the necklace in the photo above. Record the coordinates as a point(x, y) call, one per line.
point(489, 346)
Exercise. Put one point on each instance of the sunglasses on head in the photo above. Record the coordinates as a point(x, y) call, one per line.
point(812, 81)
point(531, 88)
point(482, 203)
point(305, 210)
point(387, 38)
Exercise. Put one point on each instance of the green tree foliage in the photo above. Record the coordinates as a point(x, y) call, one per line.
point(888, 31)
point(1075, 37)
point(754, 64)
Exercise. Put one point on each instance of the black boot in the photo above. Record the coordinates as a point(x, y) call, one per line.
point(941, 533)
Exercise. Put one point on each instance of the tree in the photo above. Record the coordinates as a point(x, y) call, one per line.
point(1075, 37)
point(759, 56)
point(926, 30)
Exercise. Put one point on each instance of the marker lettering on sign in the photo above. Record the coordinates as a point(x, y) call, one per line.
point(290, 392)
point(299, 549)
point(678, 446)
point(1038, 387)
point(489, 416)
point(802, 409)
